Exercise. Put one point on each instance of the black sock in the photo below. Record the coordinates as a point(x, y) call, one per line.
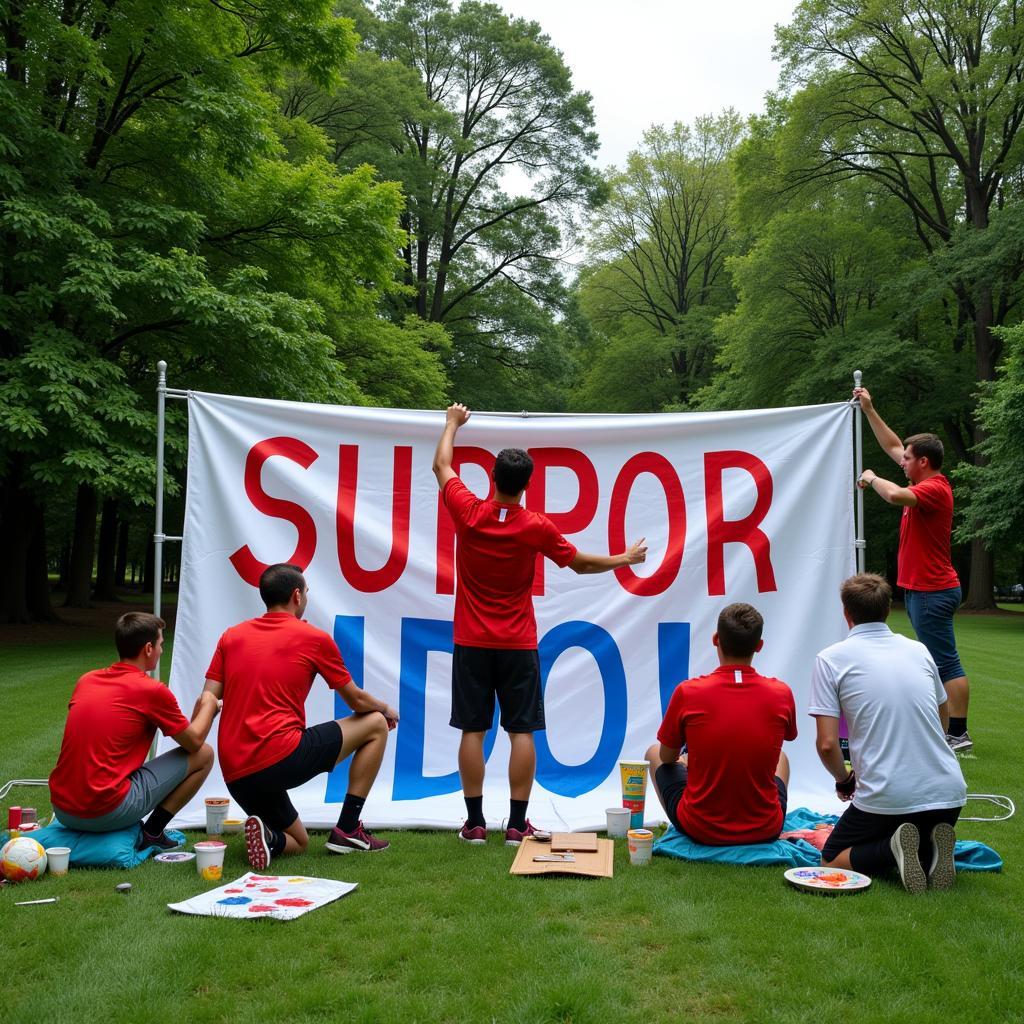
point(348, 820)
point(517, 814)
point(957, 726)
point(475, 812)
point(275, 840)
point(156, 823)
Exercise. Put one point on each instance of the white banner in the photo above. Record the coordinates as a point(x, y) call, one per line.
point(740, 506)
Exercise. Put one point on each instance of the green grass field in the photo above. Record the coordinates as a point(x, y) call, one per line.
point(438, 931)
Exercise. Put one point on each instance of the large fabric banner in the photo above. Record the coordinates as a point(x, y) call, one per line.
point(739, 506)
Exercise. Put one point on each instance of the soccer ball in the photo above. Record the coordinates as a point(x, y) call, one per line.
point(22, 860)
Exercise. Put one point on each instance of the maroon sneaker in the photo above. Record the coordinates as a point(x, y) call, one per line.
point(360, 841)
point(514, 836)
point(476, 835)
point(256, 846)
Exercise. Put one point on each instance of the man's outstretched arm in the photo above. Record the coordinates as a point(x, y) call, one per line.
point(888, 439)
point(886, 489)
point(456, 415)
point(586, 563)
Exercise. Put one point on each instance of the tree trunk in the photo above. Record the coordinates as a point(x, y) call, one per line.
point(15, 526)
point(37, 588)
point(121, 560)
point(106, 552)
point(83, 547)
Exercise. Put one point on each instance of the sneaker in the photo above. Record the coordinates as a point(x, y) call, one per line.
point(942, 872)
point(906, 845)
point(476, 835)
point(514, 836)
point(256, 846)
point(163, 842)
point(960, 744)
point(360, 841)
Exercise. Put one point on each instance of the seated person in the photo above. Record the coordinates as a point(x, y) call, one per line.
point(102, 781)
point(730, 787)
point(264, 669)
point(906, 786)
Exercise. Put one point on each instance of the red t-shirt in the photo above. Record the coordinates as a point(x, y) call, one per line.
point(733, 733)
point(496, 559)
point(113, 716)
point(267, 666)
point(924, 562)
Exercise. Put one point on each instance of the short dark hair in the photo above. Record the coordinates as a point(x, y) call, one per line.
point(512, 470)
point(926, 446)
point(867, 597)
point(134, 630)
point(279, 581)
point(739, 630)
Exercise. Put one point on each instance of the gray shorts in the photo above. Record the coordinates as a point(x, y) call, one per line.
point(148, 787)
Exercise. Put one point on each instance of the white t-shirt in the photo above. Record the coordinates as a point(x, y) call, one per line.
point(888, 688)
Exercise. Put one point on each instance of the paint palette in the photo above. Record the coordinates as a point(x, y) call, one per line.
point(175, 857)
point(830, 881)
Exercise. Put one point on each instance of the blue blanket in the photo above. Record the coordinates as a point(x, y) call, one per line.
point(793, 853)
point(100, 849)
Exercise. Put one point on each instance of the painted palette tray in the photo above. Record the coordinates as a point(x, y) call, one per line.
point(830, 881)
point(174, 857)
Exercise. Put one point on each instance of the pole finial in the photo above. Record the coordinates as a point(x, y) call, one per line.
point(858, 376)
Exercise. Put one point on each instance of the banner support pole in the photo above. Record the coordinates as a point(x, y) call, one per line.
point(858, 448)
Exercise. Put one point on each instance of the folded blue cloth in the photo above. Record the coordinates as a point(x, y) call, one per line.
point(100, 849)
point(969, 855)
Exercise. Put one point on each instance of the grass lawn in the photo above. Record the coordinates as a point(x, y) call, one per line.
point(438, 930)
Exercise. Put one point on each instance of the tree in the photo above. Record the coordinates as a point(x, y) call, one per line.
point(925, 101)
point(656, 274)
point(492, 151)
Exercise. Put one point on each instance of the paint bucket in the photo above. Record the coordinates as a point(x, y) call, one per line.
point(641, 846)
point(57, 859)
point(216, 811)
point(618, 822)
point(210, 859)
point(634, 790)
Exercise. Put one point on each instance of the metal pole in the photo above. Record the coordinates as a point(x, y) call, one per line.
point(858, 447)
point(158, 536)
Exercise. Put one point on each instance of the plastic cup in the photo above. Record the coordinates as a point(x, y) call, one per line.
point(641, 846)
point(217, 808)
point(57, 859)
point(634, 789)
point(618, 822)
point(210, 859)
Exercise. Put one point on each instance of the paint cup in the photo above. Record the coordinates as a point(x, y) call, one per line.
point(217, 808)
point(57, 859)
point(641, 845)
point(210, 859)
point(634, 790)
point(618, 822)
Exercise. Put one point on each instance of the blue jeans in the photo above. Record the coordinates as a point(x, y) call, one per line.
point(931, 615)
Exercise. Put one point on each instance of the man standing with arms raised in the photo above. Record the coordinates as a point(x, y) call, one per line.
point(495, 651)
point(926, 574)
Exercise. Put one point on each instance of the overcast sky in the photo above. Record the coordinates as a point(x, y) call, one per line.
point(655, 61)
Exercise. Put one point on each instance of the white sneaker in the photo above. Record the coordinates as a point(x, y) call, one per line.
point(906, 848)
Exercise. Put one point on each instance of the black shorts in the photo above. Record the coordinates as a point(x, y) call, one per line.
point(856, 827)
point(481, 673)
point(670, 781)
point(265, 793)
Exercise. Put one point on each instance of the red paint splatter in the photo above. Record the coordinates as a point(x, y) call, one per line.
point(270, 889)
point(293, 901)
point(260, 908)
point(263, 878)
point(232, 890)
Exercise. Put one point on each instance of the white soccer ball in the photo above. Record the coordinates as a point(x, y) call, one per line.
point(22, 860)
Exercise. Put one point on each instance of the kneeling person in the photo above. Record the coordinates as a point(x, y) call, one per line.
point(731, 785)
point(263, 670)
point(102, 781)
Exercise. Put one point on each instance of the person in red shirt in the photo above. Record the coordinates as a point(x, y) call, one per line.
point(931, 588)
point(730, 787)
point(495, 632)
point(102, 781)
point(263, 670)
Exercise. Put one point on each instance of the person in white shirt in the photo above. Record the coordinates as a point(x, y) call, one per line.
point(905, 783)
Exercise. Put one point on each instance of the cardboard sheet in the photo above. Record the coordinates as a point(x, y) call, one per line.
point(598, 864)
point(577, 841)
